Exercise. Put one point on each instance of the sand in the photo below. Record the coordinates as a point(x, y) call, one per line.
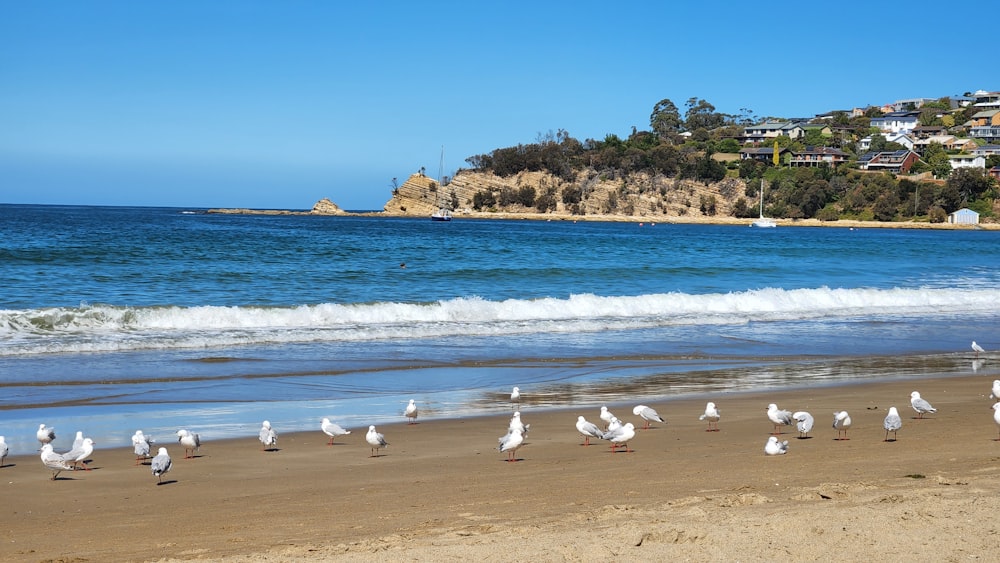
point(442, 492)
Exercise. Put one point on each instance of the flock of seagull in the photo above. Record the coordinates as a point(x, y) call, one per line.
point(613, 431)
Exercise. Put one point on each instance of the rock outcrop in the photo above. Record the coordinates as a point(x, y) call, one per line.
point(326, 207)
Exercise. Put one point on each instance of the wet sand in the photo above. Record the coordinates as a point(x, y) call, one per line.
point(441, 491)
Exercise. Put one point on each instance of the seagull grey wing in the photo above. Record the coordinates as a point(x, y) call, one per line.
point(893, 422)
point(160, 464)
point(141, 448)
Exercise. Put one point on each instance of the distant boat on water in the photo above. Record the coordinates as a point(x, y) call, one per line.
point(763, 222)
point(441, 215)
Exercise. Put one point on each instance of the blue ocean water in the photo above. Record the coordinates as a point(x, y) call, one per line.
point(114, 319)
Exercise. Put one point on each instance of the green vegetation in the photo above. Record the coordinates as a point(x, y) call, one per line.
point(675, 148)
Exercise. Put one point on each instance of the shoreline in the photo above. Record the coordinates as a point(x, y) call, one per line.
point(441, 490)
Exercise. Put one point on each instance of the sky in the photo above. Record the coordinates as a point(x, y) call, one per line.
point(275, 105)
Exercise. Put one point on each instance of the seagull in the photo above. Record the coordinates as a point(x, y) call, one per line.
point(80, 455)
point(141, 444)
point(411, 412)
point(841, 422)
point(977, 348)
point(778, 417)
point(892, 423)
point(268, 437)
point(614, 425)
point(190, 441)
point(606, 416)
point(516, 424)
point(712, 416)
point(4, 450)
point(510, 443)
point(804, 422)
point(54, 461)
point(588, 430)
point(376, 440)
point(332, 429)
point(647, 414)
point(78, 441)
point(774, 447)
point(619, 436)
point(995, 392)
point(920, 405)
point(996, 415)
point(45, 435)
point(515, 396)
point(160, 464)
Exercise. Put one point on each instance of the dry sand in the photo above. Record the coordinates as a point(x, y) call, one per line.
point(441, 491)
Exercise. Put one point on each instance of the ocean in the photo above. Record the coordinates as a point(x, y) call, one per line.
point(114, 319)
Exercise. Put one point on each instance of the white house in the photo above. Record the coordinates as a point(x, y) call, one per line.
point(967, 161)
point(964, 216)
point(897, 121)
point(901, 138)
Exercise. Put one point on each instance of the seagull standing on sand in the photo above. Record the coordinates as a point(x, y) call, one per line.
point(774, 447)
point(778, 417)
point(4, 450)
point(920, 405)
point(712, 416)
point(995, 391)
point(45, 435)
point(516, 424)
point(648, 414)
point(588, 430)
point(509, 443)
point(332, 429)
point(515, 397)
point(376, 440)
point(141, 446)
point(160, 464)
point(841, 422)
point(892, 423)
point(268, 437)
point(80, 455)
point(54, 461)
point(804, 423)
point(977, 349)
point(190, 441)
point(996, 417)
point(411, 412)
point(606, 416)
point(620, 436)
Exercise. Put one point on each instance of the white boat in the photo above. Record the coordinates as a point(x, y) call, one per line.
point(441, 215)
point(763, 222)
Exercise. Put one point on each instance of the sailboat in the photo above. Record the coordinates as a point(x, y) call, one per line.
point(763, 222)
point(443, 213)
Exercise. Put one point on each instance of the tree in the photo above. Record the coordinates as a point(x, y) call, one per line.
point(700, 113)
point(970, 183)
point(665, 119)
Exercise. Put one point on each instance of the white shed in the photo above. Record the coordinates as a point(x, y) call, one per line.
point(964, 216)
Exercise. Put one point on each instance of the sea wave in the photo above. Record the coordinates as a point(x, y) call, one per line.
point(105, 328)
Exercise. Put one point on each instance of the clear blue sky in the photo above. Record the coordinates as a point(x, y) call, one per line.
point(245, 103)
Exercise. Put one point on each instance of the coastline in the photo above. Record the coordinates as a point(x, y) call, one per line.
point(441, 490)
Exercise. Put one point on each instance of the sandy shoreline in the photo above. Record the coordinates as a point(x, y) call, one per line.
point(442, 492)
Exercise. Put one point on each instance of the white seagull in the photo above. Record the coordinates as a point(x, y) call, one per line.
point(4, 450)
point(141, 446)
point(516, 424)
point(804, 423)
point(268, 437)
point(376, 440)
point(510, 442)
point(80, 454)
point(515, 396)
point(588, 430)
point(620, 436)
point(190, 441)
point(774, 447)
point(996, 417)
point(45, 435)
point(648, 414)
point(160, 464)
point(977, 348)
point(892, 423)
point(332, 429)
point(712, 416)
point(54, 461)
point(606, 416)
point(78, 441)
point(920, 405)
point(411, 412)
point(995, 392)
point(778, 417)
point(841, 422)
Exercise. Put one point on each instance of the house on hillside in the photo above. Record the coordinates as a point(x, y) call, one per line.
point(948, 142)
point(985, 125)
point(815, 156)
point(986, 150)
point(762, 154)
point(899, 138)
point(911, 104)
point(896, 121)
point(963, 216)
point(967, 161)
point(984, 99)
point(994, 172)
point(894, 162)
point(762, 132)
point(924, 131)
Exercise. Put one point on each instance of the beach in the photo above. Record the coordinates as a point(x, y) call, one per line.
point(441, 490)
